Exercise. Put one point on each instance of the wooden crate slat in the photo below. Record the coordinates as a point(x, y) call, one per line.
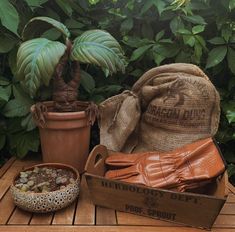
point(6, 208)
point(85, 212)
point(132, 219)
point(105, 216)
point(65, 216)
point(20, 217)
point(41, 219)
point(231, 198)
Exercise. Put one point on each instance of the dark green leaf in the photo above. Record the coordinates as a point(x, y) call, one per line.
point(51, 34)
point(28, 123)
point(35, 3)
point(4, 94)
point(36, 26)
point(231, 170)
point(24, 142)
point(215, 56)
point(231, 4)
point(6, 44)
point(17, 107)
point(127, 25)
point(158, 58)
point(4, 81)
point(217, 40)
point(231, 59)
point(147, 31)
point(184, 31)
point(147, 5)
point(140, 52)
point(226, 33)
point(9, 16)
point(197, 29)
point(159, 35)
point(167, 50)
point(160, 5)
point(65, 6)
point(73, 24)
point(12, 60)
point(176, 24)
point(189, 40)
point(195, 19)
point(87, 81)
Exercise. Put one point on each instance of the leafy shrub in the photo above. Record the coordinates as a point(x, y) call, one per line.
point(152, 33)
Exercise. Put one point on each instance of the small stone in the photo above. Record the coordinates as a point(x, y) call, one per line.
point(53, 175)
point(23, 180)
point(24, 188)
point(43, 184)
point(29, 172)
point(58, 180)
point(30, 183)
point(71, 180)
point(45, 189)
point(23, 174)
point(18, 185)
point(36, 170)
point(62, 187)
point(63, 180)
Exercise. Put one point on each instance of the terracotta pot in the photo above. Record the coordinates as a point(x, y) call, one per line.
point(65, 137)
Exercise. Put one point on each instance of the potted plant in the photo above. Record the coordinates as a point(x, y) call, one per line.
point(64, 123)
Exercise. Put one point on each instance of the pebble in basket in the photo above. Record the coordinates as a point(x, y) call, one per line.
point(45, 187)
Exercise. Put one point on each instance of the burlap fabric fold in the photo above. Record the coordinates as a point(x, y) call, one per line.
point(168, 107)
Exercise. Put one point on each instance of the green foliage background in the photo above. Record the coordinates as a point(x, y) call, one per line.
point(152, 32)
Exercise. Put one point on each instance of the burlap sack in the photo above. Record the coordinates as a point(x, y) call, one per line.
point(179, 105)
point(119, 116)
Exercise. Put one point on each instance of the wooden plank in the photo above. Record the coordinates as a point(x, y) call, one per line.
point(85, 212)
point(65, 216)
point(231, 198)
point(132, 219)
point(6, 208)
point(225, 221)
point(229, 208)
point(6, 166)
point(105, 216)
point(20, 217)
point(42, 219)
point(103, 229)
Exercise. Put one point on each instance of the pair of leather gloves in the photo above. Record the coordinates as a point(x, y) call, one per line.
point(185, 168)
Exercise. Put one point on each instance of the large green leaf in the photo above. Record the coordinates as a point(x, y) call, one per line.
point(9, 16)
point(17, 107)
point(216, 55)
point(36, 61)
point(100, 48)
point(231, 59)
point(35, 3)
point(36, 26)
point(23, 142)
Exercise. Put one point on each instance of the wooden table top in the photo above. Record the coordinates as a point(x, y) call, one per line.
point(82, 215)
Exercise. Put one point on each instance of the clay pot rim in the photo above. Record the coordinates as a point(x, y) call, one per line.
point(63, 115)
point(58, 165)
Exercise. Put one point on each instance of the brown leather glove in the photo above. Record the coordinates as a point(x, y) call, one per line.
point(185, 168)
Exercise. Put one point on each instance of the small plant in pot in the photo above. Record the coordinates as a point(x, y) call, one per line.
point(64, 123)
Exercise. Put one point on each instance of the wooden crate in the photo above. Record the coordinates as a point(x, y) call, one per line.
point(197, 210)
